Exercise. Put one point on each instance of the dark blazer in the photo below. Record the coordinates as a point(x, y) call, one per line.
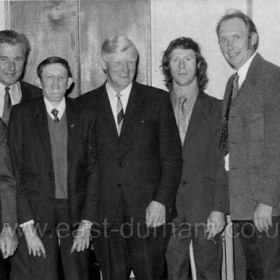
point(7, 181)
point(31, 153)
point(144, 163)
point(29, 92)
point(203, 186)
point(254, 140)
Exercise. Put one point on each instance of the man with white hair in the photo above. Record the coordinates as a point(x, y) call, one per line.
point(138, 170)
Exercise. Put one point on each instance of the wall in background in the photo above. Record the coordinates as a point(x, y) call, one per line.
point(170, 19)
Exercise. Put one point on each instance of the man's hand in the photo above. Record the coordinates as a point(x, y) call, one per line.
point(8, 241)
point(263, 217)
point(34, 243)
point(82, 238)
point(155, 214)
point(215, 224)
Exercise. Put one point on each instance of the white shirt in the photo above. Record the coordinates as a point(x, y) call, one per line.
point(60, 108)
point(243, 70)
point(113, 99)
point(15, 94)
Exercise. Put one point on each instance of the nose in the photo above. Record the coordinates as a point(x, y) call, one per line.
point(11, 66)
point(181, 64)
point(230, 44)
point(125, 67)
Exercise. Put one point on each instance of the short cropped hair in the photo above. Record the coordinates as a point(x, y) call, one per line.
point(201, 64)
point(247, 21)
point(13, 38)
point(53, 60)
point(115, 44)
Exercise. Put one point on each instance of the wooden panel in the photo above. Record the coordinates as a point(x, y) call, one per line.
point(51, 27)
point(102, 19)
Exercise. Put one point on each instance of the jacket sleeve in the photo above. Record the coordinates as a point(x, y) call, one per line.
point(7, 182)
point(90, 207)
point(170, 151)
point(221, 197)
point(267, 189)
point(16, 127)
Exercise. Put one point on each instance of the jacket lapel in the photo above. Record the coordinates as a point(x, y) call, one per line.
point(198, 116)
point(106, 119)
point(134, 109)
point(41, 121)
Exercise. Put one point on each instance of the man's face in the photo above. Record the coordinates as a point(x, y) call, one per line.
point(12, 59)
point(234, 42)
point(54, 82)
point(183, 67)
point(120, 68)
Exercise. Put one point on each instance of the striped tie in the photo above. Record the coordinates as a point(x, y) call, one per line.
point(120, 113)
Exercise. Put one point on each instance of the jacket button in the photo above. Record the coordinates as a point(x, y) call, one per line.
point(120, 163)
point(119, 185)
point(183, 182)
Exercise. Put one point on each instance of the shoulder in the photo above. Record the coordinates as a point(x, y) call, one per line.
point(151, 94)
point(26, 107)
point(91, 97)
point(29, 91)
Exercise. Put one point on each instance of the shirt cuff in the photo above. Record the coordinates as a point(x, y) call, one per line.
point(31, 222)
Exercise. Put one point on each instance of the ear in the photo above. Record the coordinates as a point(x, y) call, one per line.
point(69, 83)
point(254, 38)
point(38, 82)
point(104, 65)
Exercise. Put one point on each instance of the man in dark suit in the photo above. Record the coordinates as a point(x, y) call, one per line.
point(201, 200)
point(251, 143)
point(51, 157)
point(8, 240)
point(138, 169)
point(14, 48)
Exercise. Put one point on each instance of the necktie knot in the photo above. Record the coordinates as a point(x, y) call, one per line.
point(55, 114)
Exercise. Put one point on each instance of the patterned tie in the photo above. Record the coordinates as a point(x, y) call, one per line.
point(224, 135)
point(55, 113)
point(7, 106)
point(182, 118)
point(120, 113)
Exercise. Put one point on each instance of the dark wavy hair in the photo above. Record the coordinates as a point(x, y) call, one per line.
point(247, 21)
point(187, 44)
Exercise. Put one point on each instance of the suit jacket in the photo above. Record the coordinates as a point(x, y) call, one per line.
point(254, 140)
point(144, 163)
point(31, 153)
point(7, 181)
point(203, 186)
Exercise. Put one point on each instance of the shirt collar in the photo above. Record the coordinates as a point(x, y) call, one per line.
point(60, 108)
point(124, 93)
point(243, 70)
point(13, 87)
point(190, 98)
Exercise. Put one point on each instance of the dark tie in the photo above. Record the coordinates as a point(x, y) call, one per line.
point(224, 135)
point(7, 106)
point(120, 113)
point(55, 113)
